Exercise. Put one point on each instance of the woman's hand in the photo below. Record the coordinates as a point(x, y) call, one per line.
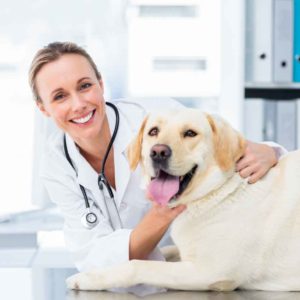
point(256, 162)
point(147, 234)
point(164, 215)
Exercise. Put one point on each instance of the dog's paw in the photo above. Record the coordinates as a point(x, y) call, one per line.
point(223, 286)
point(84, 281)
point(112, 277)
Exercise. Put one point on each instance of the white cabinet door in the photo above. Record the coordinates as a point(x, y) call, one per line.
point(176, 56)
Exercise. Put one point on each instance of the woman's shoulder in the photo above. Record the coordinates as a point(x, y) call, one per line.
point(53, 157)
point(146, 105)
point(134, 110)
point(54, 143)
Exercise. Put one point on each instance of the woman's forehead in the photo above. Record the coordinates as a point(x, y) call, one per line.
point(68, 69)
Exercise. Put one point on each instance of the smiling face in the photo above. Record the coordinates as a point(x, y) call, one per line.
point(72, 96)
point(185, 154)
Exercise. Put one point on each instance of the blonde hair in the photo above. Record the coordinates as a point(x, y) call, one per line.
point(50, 53)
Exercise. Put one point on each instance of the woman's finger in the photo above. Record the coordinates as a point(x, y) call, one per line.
point(246, 172)
point(256, 176)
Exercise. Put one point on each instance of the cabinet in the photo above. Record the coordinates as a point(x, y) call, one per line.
point(189, 50)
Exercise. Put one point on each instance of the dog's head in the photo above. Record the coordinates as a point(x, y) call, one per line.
point(184, 154)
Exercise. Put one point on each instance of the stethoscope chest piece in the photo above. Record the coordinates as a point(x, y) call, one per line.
point(89, 220)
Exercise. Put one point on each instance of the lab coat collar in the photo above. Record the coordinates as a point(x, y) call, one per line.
point(87, 176)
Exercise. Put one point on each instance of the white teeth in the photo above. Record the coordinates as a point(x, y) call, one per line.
point(83, 120)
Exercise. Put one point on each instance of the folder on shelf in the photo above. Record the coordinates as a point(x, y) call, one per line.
point(286, 129)
point(254, 119)
point(270, 116)
point(296, 56)
point(259, 40)
point(273, 120)
point(283, 40)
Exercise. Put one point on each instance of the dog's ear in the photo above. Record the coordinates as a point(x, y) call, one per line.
point(134, 150)
point(229, 145)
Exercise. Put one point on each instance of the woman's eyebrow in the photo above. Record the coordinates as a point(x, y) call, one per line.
point(56, 90)
point(83, 78)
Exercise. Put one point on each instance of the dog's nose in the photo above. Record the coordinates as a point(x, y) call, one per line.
point(160, 153)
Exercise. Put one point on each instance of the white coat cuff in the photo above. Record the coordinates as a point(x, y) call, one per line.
point(279, 150)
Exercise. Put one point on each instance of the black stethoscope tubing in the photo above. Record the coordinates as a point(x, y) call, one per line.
point(101, 178)
point(90, 217)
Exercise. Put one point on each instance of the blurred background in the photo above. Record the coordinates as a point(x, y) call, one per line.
point(142, 48)
point(239, 58)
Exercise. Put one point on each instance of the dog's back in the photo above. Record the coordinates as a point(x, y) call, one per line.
point(254, 232)
point(280, 261)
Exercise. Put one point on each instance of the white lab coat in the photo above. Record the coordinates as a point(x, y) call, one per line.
point(101, 246)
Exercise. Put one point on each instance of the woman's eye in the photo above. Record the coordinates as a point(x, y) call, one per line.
point(58, 96)
point(85, 85)
point(153, 132)
point(189, 133)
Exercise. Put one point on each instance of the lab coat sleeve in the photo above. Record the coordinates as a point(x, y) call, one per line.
point(90, 248)
point(279, 150)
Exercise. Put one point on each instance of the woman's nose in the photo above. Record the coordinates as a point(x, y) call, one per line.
point(78, 102)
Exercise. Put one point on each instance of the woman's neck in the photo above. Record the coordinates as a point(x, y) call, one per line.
point(93, 150)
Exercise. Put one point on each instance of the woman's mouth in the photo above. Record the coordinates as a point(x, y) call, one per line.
point(85, 119)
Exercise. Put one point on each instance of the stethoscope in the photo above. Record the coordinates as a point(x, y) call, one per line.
point(89, 218)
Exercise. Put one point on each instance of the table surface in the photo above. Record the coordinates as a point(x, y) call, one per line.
point(47, 281)
point(49, 284)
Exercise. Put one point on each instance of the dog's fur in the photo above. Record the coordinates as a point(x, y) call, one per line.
point(232, 234)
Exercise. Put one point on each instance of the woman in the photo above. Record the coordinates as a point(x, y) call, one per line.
point(68, 88)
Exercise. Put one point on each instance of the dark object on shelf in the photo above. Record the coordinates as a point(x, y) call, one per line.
point(272, 93)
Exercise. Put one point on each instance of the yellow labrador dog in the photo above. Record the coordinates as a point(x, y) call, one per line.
point(232, 234)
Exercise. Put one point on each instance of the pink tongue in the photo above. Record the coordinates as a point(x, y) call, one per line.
point(163, 188)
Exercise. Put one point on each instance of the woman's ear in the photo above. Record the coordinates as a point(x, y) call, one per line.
point(229, 145)
point(134, 150)
point(41, 107)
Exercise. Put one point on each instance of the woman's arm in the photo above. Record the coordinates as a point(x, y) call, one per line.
point(147, 234)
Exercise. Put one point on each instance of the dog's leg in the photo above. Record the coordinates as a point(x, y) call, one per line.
point(172, 275)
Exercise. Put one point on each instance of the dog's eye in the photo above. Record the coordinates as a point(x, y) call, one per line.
point(189, 133)
point(153, 131)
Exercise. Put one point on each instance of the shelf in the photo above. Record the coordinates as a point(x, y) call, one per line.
point(273, 85)
point(274, 91)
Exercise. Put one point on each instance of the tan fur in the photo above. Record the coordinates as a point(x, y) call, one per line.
point(229, 145)
point(135, 148)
